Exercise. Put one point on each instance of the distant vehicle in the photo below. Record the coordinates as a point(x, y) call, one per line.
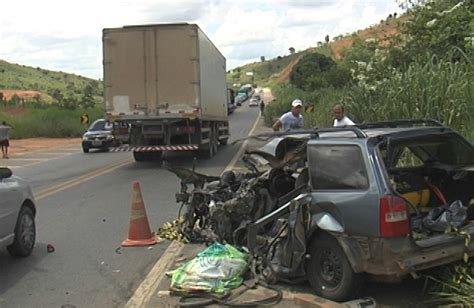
point(17, 215)
point(246, 91)
point(99, 136)
point(231, 107)
point(230, 101)
point(171, 102)
point(254, 102)
point(239, 99)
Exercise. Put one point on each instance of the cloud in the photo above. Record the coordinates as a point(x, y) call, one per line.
point(66, 35)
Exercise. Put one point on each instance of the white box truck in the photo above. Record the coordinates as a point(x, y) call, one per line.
point(168, 82)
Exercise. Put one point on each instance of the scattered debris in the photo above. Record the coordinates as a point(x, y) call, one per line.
point(50, 248)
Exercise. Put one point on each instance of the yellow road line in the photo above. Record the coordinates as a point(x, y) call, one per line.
point(81, 179)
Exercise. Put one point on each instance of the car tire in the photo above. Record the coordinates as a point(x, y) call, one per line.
point(209, 151)
point(224, 141)
point(85, 150)
point(25, 234)
point(139, 156)
point(329, 272)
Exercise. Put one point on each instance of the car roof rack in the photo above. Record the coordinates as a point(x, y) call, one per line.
point(399, 123)
point(353, 128)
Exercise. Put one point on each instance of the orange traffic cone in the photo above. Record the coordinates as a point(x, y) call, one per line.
point(139, 233)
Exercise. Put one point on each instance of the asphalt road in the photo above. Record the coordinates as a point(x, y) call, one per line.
point(83, 203)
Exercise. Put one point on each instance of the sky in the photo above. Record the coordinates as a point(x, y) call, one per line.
point(66, 35)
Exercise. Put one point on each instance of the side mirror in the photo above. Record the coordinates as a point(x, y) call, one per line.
point(5, 173)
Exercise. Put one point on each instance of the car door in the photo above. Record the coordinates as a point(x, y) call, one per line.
point(9, 206)
point(343, 184)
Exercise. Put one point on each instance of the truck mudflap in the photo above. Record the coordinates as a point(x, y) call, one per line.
point(156, 148)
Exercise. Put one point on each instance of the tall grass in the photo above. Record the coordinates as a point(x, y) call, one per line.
point(444, 288)
point(321, 100)
point(51, 122)
point(443, 91)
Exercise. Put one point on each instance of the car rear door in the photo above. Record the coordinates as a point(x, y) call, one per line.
point(343, 183)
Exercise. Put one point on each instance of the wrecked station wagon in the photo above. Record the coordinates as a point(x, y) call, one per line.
point(335, 205)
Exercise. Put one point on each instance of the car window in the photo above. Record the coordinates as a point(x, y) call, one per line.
point(408, 159)
point(447, 149)
point(337, 167)
point(100, 125)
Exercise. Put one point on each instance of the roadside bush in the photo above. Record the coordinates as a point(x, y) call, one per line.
point(450, 285)
point(442, 91)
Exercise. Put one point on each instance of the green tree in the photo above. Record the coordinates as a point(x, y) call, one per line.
point(435, 29)
point(57, 95)
point(307, 74)
point(87, 100)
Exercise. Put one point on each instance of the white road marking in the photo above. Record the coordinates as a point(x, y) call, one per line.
point(241, 150)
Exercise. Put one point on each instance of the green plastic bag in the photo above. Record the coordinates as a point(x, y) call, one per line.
point(217, 269)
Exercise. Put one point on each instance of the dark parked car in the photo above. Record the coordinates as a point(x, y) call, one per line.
point(99, 136)
point(17, 214)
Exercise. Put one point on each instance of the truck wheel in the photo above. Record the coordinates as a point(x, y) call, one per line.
point(329, 272)
point(211, 149)
point(224, 141)
point(85, 150)
point(139, 156)
point(25, 234)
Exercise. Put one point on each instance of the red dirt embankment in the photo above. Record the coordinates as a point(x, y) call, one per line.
point(27, 95)
point(22, 146)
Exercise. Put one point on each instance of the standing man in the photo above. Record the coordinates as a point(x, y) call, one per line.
point(340, 118)
point(4, 138)
point(262, 107)
point(292, 119)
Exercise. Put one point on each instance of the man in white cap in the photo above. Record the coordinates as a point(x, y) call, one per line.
point(292, 119)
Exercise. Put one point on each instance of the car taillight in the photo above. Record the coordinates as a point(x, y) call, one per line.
point(394, 218)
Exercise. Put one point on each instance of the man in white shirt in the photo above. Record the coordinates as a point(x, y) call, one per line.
point(292, 119)
point(340, 118)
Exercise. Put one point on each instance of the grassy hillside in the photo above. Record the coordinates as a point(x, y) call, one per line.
point(57, 85)
point(44, 103)
point(277, 70)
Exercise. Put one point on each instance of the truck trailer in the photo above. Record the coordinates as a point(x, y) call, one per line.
point(168, 82)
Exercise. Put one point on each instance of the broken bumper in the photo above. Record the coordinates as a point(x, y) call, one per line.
point(401, 256)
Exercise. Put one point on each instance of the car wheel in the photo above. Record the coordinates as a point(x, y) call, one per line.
point(25, 234)
point(329, 272)
point(85, 150)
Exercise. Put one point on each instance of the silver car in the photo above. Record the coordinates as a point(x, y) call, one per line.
point(17, 214)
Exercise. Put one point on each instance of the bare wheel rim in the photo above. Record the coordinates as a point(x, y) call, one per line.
point(331, 268)
point(27, 229)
